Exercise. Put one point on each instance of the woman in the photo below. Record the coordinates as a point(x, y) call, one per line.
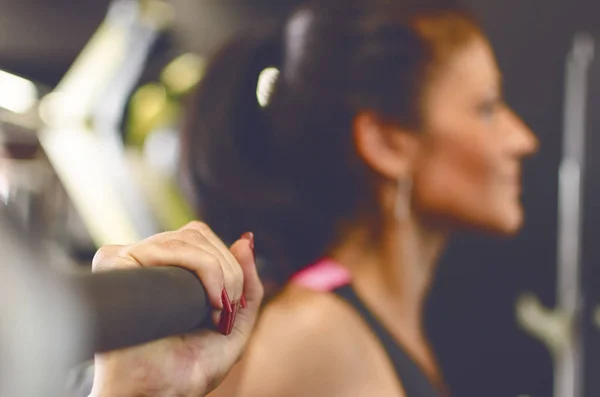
point(384, 134)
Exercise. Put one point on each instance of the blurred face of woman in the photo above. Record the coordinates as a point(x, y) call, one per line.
point(467, 172)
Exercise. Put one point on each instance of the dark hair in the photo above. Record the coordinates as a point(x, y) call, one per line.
point(289, 171)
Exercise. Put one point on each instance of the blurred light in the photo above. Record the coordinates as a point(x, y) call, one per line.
point(59, 109)
point(150, 101)
point(549, 326)
point(148, 108)
point(159, 13)
point(161, 150)
point(266, 82)
point(4, 190)
point(76, 96)
point(183, 73)
point(16, 93)
point(79, 159)
point(49, 106)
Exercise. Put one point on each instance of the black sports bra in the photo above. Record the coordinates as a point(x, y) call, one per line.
point(414, 380)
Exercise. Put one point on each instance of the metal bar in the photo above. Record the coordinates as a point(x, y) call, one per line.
point(568, 378)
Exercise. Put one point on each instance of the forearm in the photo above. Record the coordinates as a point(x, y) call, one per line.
point(230, 385)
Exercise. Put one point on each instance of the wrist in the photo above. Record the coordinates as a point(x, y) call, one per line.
point(115, 391)
point(107, 384)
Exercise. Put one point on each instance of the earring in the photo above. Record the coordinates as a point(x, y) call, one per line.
point(403, 192)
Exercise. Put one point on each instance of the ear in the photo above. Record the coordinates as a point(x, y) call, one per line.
point(387, 149)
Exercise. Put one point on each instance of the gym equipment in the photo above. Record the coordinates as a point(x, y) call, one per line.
point(561, 329)
point(43, 326)
point(52, 321)
point(82, 137)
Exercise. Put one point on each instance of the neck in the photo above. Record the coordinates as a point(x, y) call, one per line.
point(394, 271)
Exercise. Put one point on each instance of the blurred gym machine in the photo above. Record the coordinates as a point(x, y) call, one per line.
point(91, 162)
point(120, 196)
point(28, 185)
point(43, 327)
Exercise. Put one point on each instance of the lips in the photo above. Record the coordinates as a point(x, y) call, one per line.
point(513, 178)
point(512, 182)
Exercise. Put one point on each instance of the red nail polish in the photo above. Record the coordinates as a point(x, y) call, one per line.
point(250, 237)
point(226, 301)
point(227, 321)
point(232, 318)
point(243, 302)
point(224, 320)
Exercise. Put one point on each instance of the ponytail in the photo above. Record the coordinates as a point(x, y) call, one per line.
point(225, 107)
point(228, 147)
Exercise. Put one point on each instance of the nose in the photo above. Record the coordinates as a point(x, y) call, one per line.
point(523, 141)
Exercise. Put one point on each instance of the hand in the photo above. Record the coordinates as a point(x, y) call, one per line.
point(187, 365)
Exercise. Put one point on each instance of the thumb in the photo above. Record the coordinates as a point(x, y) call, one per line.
point(243, 251)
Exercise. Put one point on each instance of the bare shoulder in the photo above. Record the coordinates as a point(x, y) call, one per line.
point(305, 345)
point(304, 320)
point(303, 310)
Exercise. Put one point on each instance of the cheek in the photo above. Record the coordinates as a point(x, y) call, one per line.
point(459, 184)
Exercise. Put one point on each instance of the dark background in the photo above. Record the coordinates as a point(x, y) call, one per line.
point(471, 311)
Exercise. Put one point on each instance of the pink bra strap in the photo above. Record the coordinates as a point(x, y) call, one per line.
point(325, 275)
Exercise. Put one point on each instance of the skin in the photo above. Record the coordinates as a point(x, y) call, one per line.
point(465, 170)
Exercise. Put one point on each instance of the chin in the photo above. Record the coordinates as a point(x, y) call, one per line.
point(499, 220)
point(508, 223)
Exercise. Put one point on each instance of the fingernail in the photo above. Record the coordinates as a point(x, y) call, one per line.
point(224, 321)
point(226, 301)
point(227, 321)
point(250, 237)
point(243, 302)
point(232, 318)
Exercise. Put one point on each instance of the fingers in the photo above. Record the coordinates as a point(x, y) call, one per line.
point(199, 228)
point(197, 248)
point(201, 236)
point(108, 257)
point(207, 266)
